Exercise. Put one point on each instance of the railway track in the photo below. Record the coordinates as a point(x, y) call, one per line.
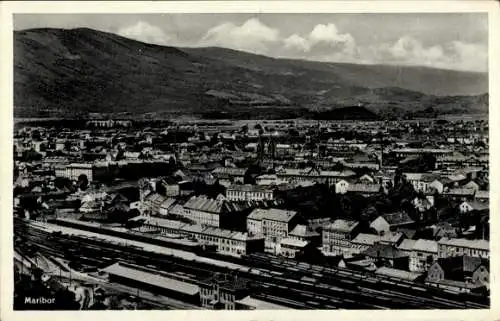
point(303, 284)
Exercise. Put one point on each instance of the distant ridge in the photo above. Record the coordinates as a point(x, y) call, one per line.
point(74, 71)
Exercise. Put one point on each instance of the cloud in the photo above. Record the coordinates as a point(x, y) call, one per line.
point(296, 42)
point(145, 32)
point(252, 36)
point(410, 51)
point(325, 43)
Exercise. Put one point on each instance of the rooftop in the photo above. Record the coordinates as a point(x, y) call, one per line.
point(342, 225)
point(260, 304)
point(275, 214)
point(149, 277)
point(249, 188)
point(473, 244)
point(293, 242)
point(426, 246)
point(366, 239)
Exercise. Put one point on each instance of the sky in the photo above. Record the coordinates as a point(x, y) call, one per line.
point(443, 40)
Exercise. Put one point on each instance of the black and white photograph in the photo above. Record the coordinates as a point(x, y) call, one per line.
point(250, 161)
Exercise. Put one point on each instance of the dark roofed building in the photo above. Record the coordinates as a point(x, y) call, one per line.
point(465, 273)
point(398, 219)
point(221, 292)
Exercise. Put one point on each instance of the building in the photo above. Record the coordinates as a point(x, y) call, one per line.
point(422, 182)
point(229, 175)
point(460, 274)
point(154, 201)
point(166, 206)
point(221, 292)
point(398, 219)
point(337, 237)
point(363, 241)
point(227, 242)
point(459, 247)
point(153, 281)
point(422, 255)
point(289, 247)
point(470, 206)
point(305, 233)
point(251, 303)
point(313, 175)
point(74, 170)
point(204, 210)
point(249, 192)
point(275, 225)
point(254, 221)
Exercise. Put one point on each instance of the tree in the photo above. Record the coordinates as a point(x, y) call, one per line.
point(83, 182)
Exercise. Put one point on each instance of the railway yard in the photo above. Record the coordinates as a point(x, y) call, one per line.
point(286, 282)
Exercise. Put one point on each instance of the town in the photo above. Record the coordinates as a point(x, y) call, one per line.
point(259, 214)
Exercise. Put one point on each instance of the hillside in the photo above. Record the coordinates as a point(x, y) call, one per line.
point(60, 72)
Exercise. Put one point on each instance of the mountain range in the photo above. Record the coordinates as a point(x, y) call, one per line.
point(64, 72)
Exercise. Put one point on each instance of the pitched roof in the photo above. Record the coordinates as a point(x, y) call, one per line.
point(250, 188)
point(478, 206)
point(341, 225)
point(407, 245)
point(366, 239)
point(458, 267)
point(363, 188)
point(275, 214)
point(303, 231)
point(384, 251)
point(472, 244)
point(426, 246)
point(205, 204)
point(398, 218)
point(483, 194)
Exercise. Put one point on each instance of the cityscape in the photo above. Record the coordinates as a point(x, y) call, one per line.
point(257, 190)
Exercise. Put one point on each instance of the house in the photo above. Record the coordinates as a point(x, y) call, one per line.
point(337, 237)
point(363, 241)
point(229, 175)
point(341, 186)
point(471, 185)
point(204, 210)
point(313, 175)
point(460, 273)
point(463, 194)
point(406, 246)
point(421, 182)
point(254, 221)
point(459, 247)
point(386, 255)
point(364, 189)
point(221, 292)
point(367, 179)
point(166, 206)
point(380, 226)
point(305, 233)
point(289, 247)
point(423, 253)
point(171, 186)
point(398, 219)
point(423, 204)
point(482, 196)
point(392, 238)
point(154, 201)
point(250, 192)
point(268, 179)
point(470, 206)
point(276, 225)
